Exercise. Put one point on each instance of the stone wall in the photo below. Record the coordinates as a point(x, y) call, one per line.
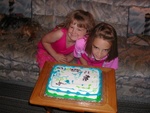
point(115, 12)
point(19, 6)
point(51, 12)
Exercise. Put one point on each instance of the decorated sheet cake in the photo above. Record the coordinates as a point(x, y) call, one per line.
point(75, 82)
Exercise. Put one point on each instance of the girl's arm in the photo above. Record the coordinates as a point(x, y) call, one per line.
point(50, 38)
point(79, 49)
point(83, 61)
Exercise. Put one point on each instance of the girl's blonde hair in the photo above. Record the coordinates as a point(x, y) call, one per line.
point(84, 19)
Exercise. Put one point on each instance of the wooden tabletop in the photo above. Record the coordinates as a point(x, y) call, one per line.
point(107, 105)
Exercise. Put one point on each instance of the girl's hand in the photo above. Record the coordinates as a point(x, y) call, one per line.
point(69, 57)
point(61, 58)
point(83, 61)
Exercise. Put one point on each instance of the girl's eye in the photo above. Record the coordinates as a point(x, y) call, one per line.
point(106, 50)
point(79, 29)
point(71, 26)
point(95, 47)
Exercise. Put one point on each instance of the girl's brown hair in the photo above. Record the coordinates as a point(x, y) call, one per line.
point(84, 18)
point(106, 32)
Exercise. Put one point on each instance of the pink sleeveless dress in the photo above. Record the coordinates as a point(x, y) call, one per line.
point(59, 46)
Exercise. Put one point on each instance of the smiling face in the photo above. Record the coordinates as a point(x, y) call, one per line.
point(76, 32)
point(100, 48)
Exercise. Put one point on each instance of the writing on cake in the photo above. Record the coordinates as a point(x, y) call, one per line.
point(75, 82)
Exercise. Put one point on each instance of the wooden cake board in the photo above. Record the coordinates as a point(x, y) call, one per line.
point(107, 105)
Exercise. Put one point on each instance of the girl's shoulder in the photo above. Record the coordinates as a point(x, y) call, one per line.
point(81, 42)
point(63, 30)
point(55, 35)
point(59, 29)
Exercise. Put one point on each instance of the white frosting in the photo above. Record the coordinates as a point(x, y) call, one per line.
point(75, 81)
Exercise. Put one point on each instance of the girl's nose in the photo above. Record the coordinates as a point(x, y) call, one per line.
point(99, 54)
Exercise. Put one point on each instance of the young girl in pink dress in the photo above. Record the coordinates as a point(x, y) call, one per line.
point(99, 49)
point(58, 45)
